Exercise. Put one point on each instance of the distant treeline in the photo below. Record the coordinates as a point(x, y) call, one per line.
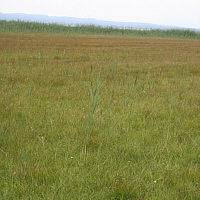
point(34, 27)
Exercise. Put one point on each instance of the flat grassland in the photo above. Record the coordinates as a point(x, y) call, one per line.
point(99, 117)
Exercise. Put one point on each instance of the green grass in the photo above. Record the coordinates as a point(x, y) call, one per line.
point(30, 27)
point(99, 122)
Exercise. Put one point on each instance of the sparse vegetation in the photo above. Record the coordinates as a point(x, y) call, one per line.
point(95, 117)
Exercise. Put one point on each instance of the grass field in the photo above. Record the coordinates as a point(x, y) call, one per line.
point(99, 117)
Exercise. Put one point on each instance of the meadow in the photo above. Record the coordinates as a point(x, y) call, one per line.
point(99, 117)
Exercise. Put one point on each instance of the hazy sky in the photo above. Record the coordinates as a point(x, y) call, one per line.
point(185, 13)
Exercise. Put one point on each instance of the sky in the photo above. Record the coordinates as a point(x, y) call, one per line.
point(183, 13)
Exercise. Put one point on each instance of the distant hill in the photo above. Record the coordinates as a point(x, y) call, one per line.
point(83, 21)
